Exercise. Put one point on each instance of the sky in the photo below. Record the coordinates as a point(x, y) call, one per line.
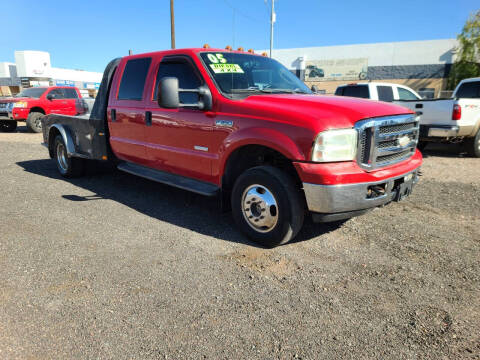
point(88, 34)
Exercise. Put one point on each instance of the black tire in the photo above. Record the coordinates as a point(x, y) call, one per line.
point(422, 145)
point(288, 208)
point(68, 166)
point(34, 121)
point(473, 145)
point(8, 126)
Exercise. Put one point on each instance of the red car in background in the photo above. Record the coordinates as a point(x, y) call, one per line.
point(32, 104)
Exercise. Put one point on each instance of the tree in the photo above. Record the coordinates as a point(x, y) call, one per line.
point(467, 63)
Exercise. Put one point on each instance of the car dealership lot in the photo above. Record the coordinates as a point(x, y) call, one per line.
point(114, 266)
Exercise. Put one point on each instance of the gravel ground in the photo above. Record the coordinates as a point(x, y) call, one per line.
point(111, 266)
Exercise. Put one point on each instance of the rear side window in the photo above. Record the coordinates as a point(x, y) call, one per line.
point(339, 91)
point(405, 94)
point(359, 91)
point(70, 93)
point(186, 75)
point(133, 79)
point(385, 93)
point(469, 90)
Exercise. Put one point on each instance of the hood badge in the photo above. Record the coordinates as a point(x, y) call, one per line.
point(224, 123)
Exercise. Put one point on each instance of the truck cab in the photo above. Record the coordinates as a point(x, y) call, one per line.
point(31, 104)
point(242, 127)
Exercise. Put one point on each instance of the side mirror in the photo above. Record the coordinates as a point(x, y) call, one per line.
point(314, 88)
point(168, 95)
point(50, 97)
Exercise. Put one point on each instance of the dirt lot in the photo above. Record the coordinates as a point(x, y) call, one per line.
point(111, 266)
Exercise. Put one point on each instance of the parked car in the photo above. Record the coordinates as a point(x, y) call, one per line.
point(388, 92)
point(32, 104)
point(314, 71)
point(194, 119)
point(456, 119)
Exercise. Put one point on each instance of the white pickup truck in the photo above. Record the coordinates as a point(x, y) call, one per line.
point(456, 119)
point(388, 92)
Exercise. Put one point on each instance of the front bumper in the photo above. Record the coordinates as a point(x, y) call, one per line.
point(6, 115)
point(348, 198)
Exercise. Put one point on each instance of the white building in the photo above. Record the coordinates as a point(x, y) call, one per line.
point(422, 65)
point(34, 68)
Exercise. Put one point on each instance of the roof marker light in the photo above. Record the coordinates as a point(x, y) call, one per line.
point(228, 47)
point(206, 46)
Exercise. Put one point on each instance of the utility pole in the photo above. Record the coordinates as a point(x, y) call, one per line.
point(272, 20)
point(172, 24)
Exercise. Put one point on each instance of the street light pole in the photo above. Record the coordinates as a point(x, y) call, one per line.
point(272, 20)
point(172, 24)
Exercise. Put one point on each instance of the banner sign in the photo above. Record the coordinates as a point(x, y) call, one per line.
point(336, 69)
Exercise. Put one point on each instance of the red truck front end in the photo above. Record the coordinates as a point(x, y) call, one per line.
point(385, 168)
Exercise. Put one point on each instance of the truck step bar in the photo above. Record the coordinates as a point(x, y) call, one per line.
point(196, 186)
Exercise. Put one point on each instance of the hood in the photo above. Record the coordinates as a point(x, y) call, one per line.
point(8, 100)
point(321, 112)
point(14, 99)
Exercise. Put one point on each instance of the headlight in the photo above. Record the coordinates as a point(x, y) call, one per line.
point(20, 104)
point(335, 145)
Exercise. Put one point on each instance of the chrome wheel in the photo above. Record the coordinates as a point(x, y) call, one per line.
point(62, 157)
point(260, 208)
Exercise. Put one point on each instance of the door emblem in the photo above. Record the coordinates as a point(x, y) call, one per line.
point(403, 141)
point(224, 123)
point(200, 148)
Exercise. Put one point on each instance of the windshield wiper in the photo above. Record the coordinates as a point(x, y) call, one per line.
point(270, 91)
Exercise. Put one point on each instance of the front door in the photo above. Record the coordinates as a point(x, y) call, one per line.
point(180, 140)
point(58, 103)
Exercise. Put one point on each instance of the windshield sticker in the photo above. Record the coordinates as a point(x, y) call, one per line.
point(226, 68)
point(217, 58)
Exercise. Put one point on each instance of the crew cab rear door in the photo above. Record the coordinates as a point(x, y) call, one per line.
point(126, 110)
point(180, 140)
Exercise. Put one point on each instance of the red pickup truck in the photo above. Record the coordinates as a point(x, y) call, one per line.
point(243, 127)
point(33, 103)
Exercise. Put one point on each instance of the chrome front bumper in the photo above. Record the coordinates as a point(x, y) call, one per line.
point(330, 199)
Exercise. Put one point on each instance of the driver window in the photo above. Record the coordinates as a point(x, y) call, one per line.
point(186, 75)
point(57, 93)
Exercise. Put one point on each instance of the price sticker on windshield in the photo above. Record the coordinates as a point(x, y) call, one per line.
point(226, 68)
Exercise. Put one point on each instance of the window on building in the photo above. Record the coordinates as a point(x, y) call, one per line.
point(359, 91)
point(70, 94)
point(404, 94)
point(469, 90)
point(133, 79)
point(186, 75)
point(385, 93)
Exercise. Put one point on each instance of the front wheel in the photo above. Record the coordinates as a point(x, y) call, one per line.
point(8, 126)
point(473, 145)
point(68, 166)
point(34, 122)
point(267, 206)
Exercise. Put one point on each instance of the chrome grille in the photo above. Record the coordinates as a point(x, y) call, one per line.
point(386, 141)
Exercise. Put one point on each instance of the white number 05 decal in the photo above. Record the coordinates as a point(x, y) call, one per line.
point(217, 58)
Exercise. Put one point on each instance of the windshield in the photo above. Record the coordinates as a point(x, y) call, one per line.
point(31, 93)
point(246, 74)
